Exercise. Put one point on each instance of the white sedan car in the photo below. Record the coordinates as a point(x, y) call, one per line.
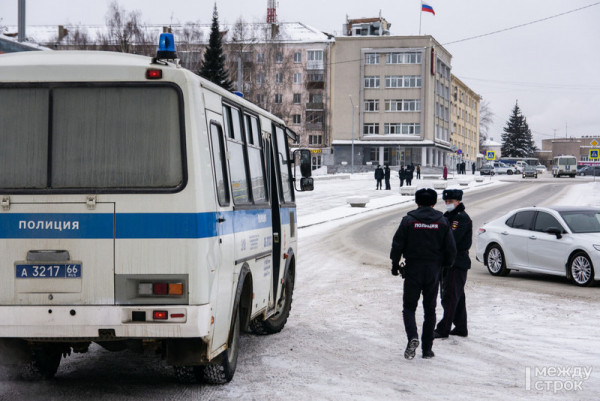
point(563, 241)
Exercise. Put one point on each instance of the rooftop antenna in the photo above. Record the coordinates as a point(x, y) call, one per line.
point(271, 11)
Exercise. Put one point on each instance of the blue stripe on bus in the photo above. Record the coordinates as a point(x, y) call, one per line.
point(132, 225)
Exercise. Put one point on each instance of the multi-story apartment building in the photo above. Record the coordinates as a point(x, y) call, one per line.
point(465, 122)
point(390, 99)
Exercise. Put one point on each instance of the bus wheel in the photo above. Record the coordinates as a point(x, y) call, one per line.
point(45, 360)
point(277, 321)
point(222, 368)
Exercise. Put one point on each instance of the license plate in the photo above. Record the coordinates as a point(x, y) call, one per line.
point(54, 270)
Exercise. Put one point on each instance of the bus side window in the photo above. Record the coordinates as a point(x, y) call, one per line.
point(255, 159)
point(237, 163)
point(284, 165)
point(218, 150)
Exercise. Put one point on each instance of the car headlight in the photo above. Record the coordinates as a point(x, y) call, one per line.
point(597, 247)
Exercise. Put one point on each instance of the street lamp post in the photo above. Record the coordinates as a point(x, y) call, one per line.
point(352, 156)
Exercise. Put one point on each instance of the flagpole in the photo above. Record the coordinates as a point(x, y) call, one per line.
point(420, 16)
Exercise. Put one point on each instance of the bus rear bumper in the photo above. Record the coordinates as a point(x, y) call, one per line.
point(105, 322)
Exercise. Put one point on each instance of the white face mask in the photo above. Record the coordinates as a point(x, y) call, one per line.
point(449, 207)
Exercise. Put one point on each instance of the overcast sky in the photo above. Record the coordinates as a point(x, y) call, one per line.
point(551, 67)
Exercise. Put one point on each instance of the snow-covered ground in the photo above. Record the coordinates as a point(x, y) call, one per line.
point(345, 338)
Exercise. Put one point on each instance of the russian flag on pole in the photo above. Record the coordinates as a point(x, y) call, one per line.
point(427, 8)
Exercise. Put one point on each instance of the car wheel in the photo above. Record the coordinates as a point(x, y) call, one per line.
point(581, 270)
point(509, 172)
point(495, 262)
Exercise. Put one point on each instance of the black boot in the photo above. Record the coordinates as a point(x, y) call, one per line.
point(428, 354)
point(411, 348)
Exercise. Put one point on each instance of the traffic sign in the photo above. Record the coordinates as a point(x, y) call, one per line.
point(594, 142)
point(594, 154)
point(459, 152)
point(490, 155)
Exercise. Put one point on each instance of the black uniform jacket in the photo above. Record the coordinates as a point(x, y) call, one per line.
point(424, 236)
point(462, 229)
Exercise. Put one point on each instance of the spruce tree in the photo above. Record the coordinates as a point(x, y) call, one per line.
point(213, 64)
point(516, 139)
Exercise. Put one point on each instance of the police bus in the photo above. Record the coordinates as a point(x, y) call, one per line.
point(141, 206)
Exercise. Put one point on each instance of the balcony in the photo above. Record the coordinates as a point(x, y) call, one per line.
point(315, 85)
point(314, 126)
point(314, 106)
point(314, 65)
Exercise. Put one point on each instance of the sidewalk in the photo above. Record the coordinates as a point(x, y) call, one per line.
point(328, 201)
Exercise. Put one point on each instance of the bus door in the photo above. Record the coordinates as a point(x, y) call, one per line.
point(273, 173)
point(282, 195)
point(221, 256)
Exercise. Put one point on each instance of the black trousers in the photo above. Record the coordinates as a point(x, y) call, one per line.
point(420, 279)
point(387, 184)
point(379, 183)
point(453, 301)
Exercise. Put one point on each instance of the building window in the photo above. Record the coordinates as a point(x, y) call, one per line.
point(372, 81)
point(297, 77)
point(260, 57)
point(296, 119)
point(315, 140)
point(315, 77)
point(403, 105)
point(297, 98)
point(278, 98)
point(279, 57)
point(260, 78)
point(315, 98)
point(260, 99)
point(371, 129)
point(372, 105)
point(314, 117)
point(371, 58)
point(278, 78)
point(402, 81)
point(298, 57)
point(403, 58)
point(402, 129)
point(314, 59)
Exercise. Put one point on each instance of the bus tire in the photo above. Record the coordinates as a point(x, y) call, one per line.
point(222, 368)
point(276, 322)
point(45, 360)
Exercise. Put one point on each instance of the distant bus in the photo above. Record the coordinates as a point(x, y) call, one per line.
point(564, 165)
point(141, 207)
point(532, 161)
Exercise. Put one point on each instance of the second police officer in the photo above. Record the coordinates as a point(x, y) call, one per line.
point(454, 277)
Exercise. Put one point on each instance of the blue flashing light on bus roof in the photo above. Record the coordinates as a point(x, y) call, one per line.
point(166, 47)
point(240, 94)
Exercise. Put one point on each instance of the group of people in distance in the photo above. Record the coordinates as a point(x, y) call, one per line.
point(405, 174)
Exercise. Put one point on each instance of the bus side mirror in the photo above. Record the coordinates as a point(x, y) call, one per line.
point(302, 159)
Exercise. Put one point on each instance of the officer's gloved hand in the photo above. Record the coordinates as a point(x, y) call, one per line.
point(395, 268)
point(402, 269)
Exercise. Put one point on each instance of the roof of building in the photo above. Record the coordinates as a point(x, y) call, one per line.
point(8, 44)
point(288, 32)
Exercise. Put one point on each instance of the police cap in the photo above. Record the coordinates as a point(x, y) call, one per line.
point(452, 194)
point(426, 197)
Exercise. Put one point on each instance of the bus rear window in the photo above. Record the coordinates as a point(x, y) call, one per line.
point(103, 137)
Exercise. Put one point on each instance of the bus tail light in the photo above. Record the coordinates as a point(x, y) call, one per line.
point(160, 288)
point(160, 315)
point(153, 73)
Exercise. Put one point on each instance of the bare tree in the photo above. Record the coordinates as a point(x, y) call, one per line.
point(126, 33)
point(190, 46)
point(2, 27)
point(486, 118)
point(79, 39)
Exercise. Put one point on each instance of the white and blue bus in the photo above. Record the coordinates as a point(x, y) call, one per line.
point(140, 205)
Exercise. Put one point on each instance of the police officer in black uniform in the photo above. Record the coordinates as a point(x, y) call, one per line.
point(454, 278)
point(425, 241)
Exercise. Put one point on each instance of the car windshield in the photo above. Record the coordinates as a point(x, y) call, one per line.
point(582, 221)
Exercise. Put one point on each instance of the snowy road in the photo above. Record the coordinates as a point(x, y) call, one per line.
point(345, 339)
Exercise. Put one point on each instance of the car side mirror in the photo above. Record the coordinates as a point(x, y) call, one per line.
point(556, 231)
point(306, 184)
